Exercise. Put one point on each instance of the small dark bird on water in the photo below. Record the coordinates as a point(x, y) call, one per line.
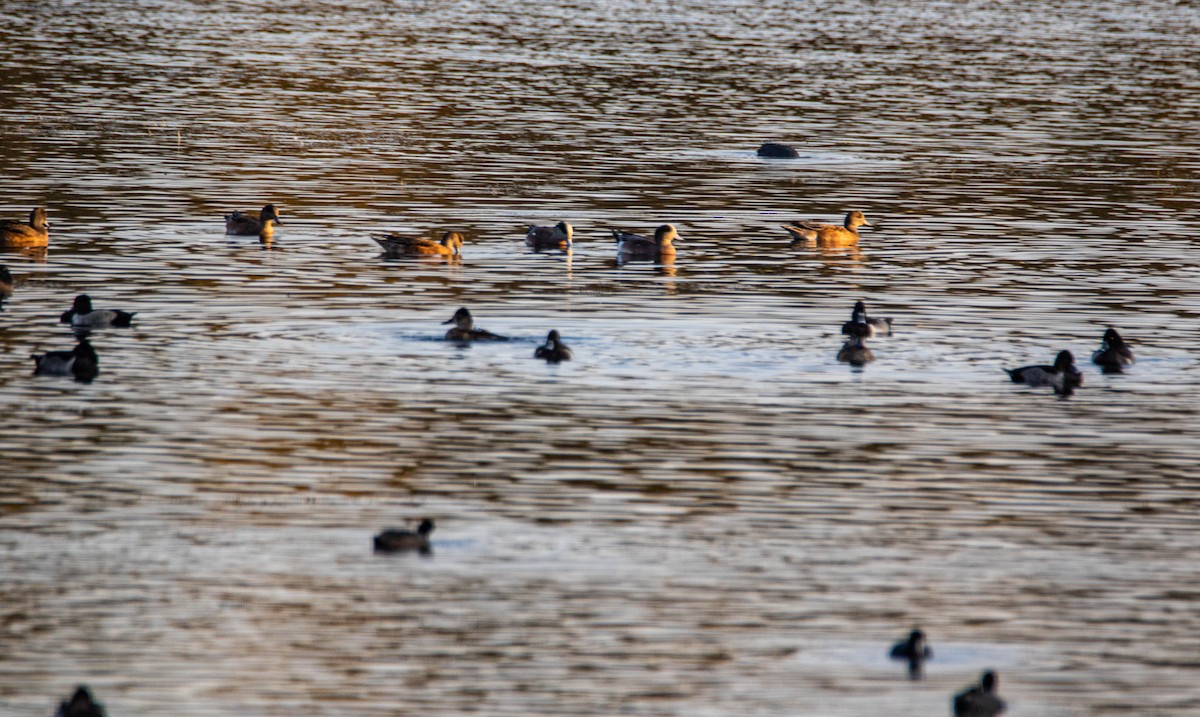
point(398, 540)
point(777, 150)
point(861, 324)
point(464, 329)
point(1114, 354)
point(1063, 376)
point(554, 350)
point(915, 650)
point(979, 700)
point(80, 704)
point(82, 316)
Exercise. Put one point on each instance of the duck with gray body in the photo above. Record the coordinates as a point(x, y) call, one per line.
point(636, 246)
point(980, 700)
point(1062, 376)
point(17, 235)
point(860, 323)
point(915, 650)
point(81, 315)
point(464, 329)
point(559, 237)
point(1114, 354)
point(80, 362)
point(247, 225)
point(554, 350)
point(399, 540)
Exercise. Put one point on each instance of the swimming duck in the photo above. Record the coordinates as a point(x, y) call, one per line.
point(244, 224)
point(554, 349)
point(829, 234)
point(397, 245)
point(81, 704)
point(81, 315)
point(556, 237)
point(777, 150)
point(17, 235)
point(854, 352)
point(860, 323)
point(915, 650)
point(399, 540)
point(80, 362)
point(6, 283)
point(1063, 375)
point(636, 246)
point(464, 329)
point(1114, 354)
point(979, 700)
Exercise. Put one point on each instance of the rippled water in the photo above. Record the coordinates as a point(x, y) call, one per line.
point(704, 513)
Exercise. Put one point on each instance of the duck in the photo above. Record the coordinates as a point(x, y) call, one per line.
point(464, 329)
point(80, 362)
point(244, 224)
point(855, 352)
point(80, 704)
point(829, 234)
point(556, 237)
point(398, 540)
point(979, 700)
point(6, 283)
point(636, 246)
point(1113, 355)
point(1063, 376)
point(915, 649)
point(398, 245)
point(777, 150)
point(81, 315)
point(860, 323)
point(554, 350)
point(15, 235)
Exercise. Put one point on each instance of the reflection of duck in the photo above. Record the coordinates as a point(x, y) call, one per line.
point(829, 233)
point(556, 237)
point(16, 235)
point(1063, 376)
point(245, 224)
point(464, 329)
point(860, 323)
point(81, 315)
point(554, 350)
point(399, 540)
point(635, 246)
point(915, 650)
point(1114, 354)
point(979, 700)
point(855, 352)
point(81, 704)
point(80, 362)
point(777, 150)
point(398, 245)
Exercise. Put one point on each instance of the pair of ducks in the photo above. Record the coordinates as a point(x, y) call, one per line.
point(553, 351)
point(978, 700)
point(1064, 377)
point(82, 363)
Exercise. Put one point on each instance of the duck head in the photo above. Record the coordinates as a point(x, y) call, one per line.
point(665, 234)
point(462, 319)
point(856, 219)
point(268, 214)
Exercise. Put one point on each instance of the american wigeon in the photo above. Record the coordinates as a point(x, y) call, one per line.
point(1114, 354)
point(245, 224)
point(829, 234)
point(80, 362)
point(6, 283)
point(554, 350)
point(464, 329)
point(635, 246)
point(399, 540)
point(80, 704)
point(916, 650)
point(558, 236)
point(777, 150)
point(81, 315)
point(16, 235)
point(855, 352)
point(399, 245)
point(979, 700)
point(860, 323)
point(1063, 376)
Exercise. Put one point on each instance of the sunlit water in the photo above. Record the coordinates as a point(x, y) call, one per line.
point(704, 513)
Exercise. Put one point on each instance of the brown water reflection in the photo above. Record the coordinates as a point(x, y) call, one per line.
point(703, 513)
